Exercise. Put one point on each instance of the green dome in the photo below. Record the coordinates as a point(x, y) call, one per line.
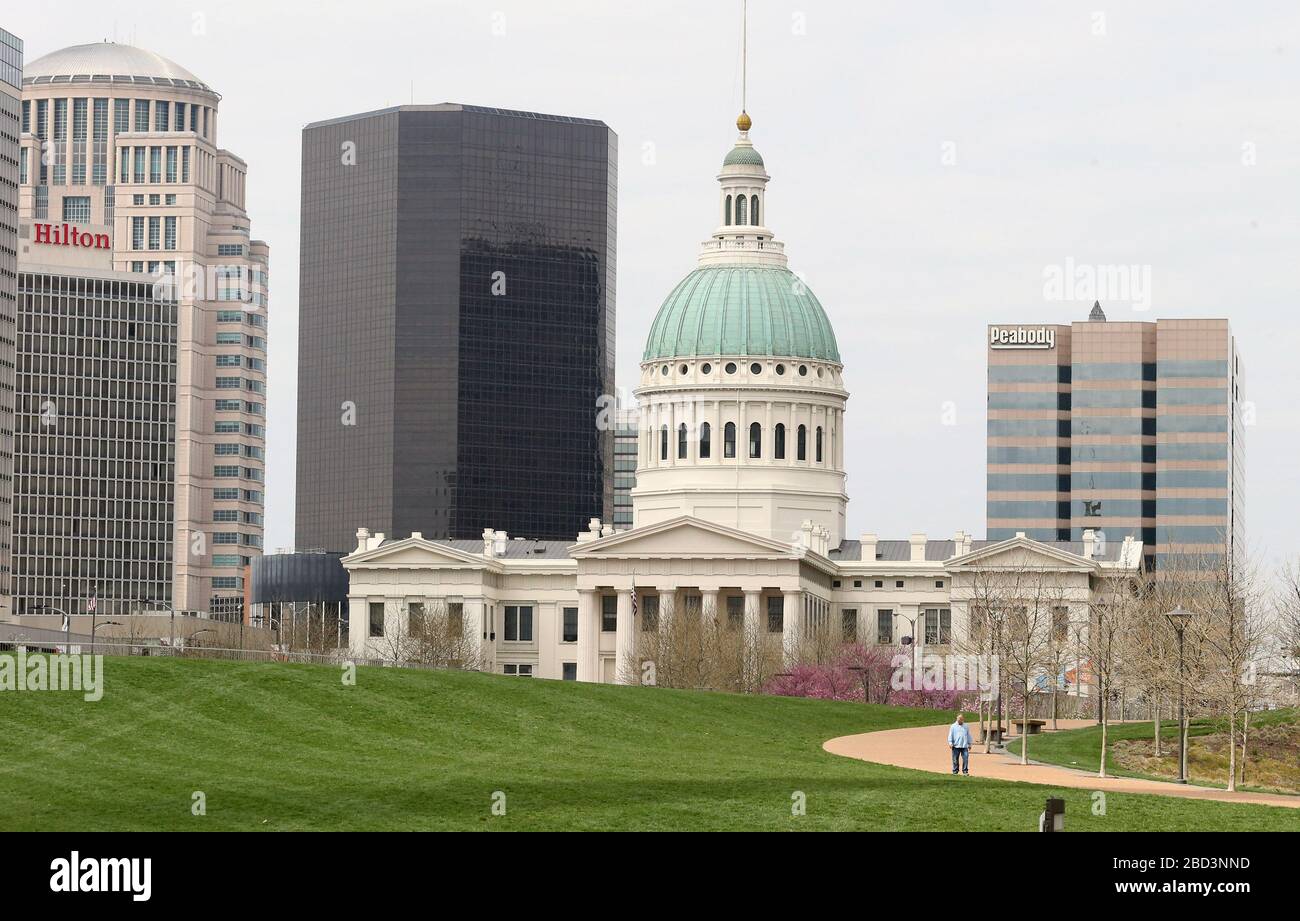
point(742, 310)
point(743, 156)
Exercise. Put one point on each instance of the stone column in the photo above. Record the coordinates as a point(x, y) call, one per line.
point(711, 601)
point(769, 436)
point(753, 613)
point(474, 630)
point(625, 639)
point(792, 626)
point(588, 635)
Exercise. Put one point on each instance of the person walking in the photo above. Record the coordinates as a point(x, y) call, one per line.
point(959, 743)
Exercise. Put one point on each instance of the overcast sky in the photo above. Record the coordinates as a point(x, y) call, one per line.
point(929, 160)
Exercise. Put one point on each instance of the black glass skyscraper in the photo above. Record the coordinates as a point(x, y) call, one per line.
point(456, 327)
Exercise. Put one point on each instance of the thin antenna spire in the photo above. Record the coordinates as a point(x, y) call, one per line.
point(744, 52)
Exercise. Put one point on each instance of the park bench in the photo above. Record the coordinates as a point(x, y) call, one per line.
point(1034, 726)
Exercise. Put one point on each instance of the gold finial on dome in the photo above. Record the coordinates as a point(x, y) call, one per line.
point(744, 122)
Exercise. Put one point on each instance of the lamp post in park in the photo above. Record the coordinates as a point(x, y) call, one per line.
point(1179, 617)
point(95, 626)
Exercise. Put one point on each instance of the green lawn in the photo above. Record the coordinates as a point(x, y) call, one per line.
point(290, 747)
point(1081, 748)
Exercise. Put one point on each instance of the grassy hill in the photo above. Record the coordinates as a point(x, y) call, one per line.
point(290, 747)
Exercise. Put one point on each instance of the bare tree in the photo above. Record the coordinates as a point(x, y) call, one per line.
point(1117, 608)
point(428, 633)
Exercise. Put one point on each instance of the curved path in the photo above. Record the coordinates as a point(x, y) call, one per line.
point(925, 748)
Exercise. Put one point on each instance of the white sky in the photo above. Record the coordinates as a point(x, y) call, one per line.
point(1125, 147)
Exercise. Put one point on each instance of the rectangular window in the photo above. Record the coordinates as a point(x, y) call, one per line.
point(121, 116)
point(76, 209)
point(608, 613)
point(415, 622)
point(155, 164)
point(849, 625)
point(519, 623)
point(938, 626)
point(569, 632)
point(185, 164)
point(137, 233)
point(155, 233)
point(228, 383)
point(775, 614)
point(376, 618)
point(226, 494)
point(650, 613)
point(142, 115)
point(520, 671)
point(570, 671)
point(885, 627)
point(455, 618)
point(163, 116)
point(735, 612)
point(169, 233)
point(226, 450)
point(171, 164)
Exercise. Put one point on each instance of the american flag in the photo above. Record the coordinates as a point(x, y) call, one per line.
point(633, 591)
point(92, 604)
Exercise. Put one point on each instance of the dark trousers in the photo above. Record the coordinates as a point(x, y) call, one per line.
point(962, 755)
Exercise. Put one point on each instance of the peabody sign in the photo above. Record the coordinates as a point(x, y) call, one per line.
point(1020, 337)
point(68, 235)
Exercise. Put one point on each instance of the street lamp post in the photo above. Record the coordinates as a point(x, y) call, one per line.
point(95, 626)
point(67, 639)
point(1179, 617)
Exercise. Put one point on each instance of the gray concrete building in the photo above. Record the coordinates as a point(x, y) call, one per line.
point(456, 327)
point(95, 458)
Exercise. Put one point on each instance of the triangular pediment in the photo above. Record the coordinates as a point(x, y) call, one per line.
point(683, 537)
point(1021, 553)
point(414, 551)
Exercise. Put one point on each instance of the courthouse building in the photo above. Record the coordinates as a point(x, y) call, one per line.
point(739, 505)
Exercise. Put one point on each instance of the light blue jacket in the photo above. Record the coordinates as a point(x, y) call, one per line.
point(959, 736)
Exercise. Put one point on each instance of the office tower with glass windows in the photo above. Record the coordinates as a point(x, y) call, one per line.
point(94, 468)
point(1122, 428)
point(120, 148)
point(456, 330)
point(11, 79)
point(625, 458)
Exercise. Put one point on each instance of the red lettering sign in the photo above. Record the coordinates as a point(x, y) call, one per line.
point(67, 235)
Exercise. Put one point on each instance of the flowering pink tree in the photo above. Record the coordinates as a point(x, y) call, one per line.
point(859, 672)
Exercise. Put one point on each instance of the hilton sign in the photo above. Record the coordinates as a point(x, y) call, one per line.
point(1020, 337)
point(68, 235)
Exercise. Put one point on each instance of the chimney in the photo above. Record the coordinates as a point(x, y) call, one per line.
point(363, 540)
point(488, 536)
point(961, 543)
point(499, 542)
point(1089, 544)
point(868, 548)
point(607, 530)
point(918, 548)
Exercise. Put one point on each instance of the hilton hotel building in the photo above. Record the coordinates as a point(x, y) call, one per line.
point(122, 180)
point(1125, 429)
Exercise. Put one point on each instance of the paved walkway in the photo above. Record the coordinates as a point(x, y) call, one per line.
point(925, 748)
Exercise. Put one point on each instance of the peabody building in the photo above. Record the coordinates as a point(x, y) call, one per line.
point(738, 512)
